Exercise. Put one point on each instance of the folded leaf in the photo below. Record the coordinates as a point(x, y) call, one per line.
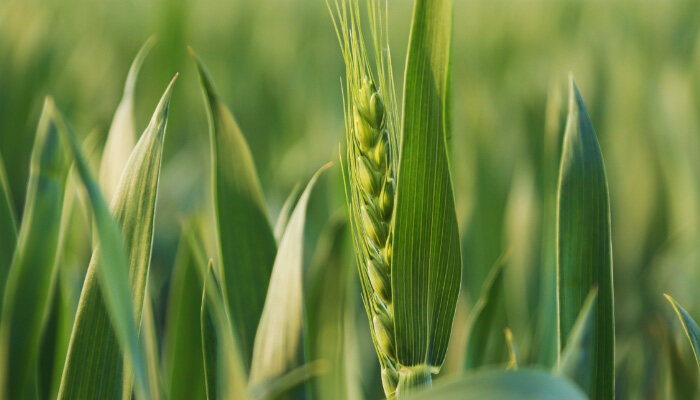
point(32, 272)
point(584, 254)
point(278, 342)
point(427, 263)
point(689, 326)
point(285, 212)
point(246, 242)
point(503, 385)
point(121, 137)
point(94, 365)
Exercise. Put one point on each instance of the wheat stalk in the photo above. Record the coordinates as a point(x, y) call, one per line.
point(370, 121)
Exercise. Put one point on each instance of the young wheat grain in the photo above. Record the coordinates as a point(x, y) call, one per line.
point(370, 115)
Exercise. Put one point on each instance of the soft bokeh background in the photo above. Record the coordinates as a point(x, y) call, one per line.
point(277, 65)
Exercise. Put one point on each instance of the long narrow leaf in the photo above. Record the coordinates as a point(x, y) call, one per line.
point(184, 377)
point(8, 228)
point(427, 262)
point(576, 358)
point(32, 272)
point(483, 340)
point(278, 342)
point(584, 250)
point(94, 365)
point(246, 242)
point(122, 133)
point(690, 327)
point(113, 279)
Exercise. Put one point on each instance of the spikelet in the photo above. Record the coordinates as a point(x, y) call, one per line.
point(370, 122)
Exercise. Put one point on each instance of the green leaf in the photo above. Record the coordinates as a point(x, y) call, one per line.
point(209, 339)
point(682, 376)
point(150, 341)
point(277, 388)
point(30, 279)
point(121, 137)
point(246, 243)
point(285, 212)
point(222, 365)
point(278, 342)
point(8, 228)
point(503, 385)
point(484, 321)
point(584, 250)
point(426, 272)
point(690, 328)
point(115, 285)
point(577, 358)
point(182, 353)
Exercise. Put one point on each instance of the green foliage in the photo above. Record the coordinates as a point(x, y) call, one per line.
point(584, 249)
point(246, 242)
point(33, 268)
point(108, 292)
point(427, 260)
point(690, 327)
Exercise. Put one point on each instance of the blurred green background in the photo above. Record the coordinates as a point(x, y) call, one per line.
point(277, 65)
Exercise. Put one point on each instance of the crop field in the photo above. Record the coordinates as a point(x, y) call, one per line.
point(349, 199)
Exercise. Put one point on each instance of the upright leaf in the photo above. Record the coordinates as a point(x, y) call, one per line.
point(94, 365)
point(182, 354)
point(503, 385)
point(584, 250)
point(577, 358)
point(113, 279)
point(285, 212)
point(427, 262)
point(246, 243)
point(690, 327)
point(278, 342)
point(122, 133)
point(484, 346)
point(8, 228)
point(32, 272)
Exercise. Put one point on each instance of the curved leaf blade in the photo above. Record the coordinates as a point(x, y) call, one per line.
point(427, 262)
point(503, 385)
point(484, 321)
point(690, 327)
point(246, 243)
point(8, 228)
point(584, 249)
point(121, 137)
point(30, 280)
point(115, 285)
point(278, 342)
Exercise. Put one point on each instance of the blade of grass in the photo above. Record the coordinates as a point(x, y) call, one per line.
point(8, 228)
point(32, 272)
point(503, 385)
point(690, 327)
point(279, 341)
point(121, 137)
point(577, 357)
point(246, 243)
point(512, 351)
point(96, 374)
point(182, 354)
point(427, 262)
point(285, 212)
point(584, 249)
point(483, 323)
